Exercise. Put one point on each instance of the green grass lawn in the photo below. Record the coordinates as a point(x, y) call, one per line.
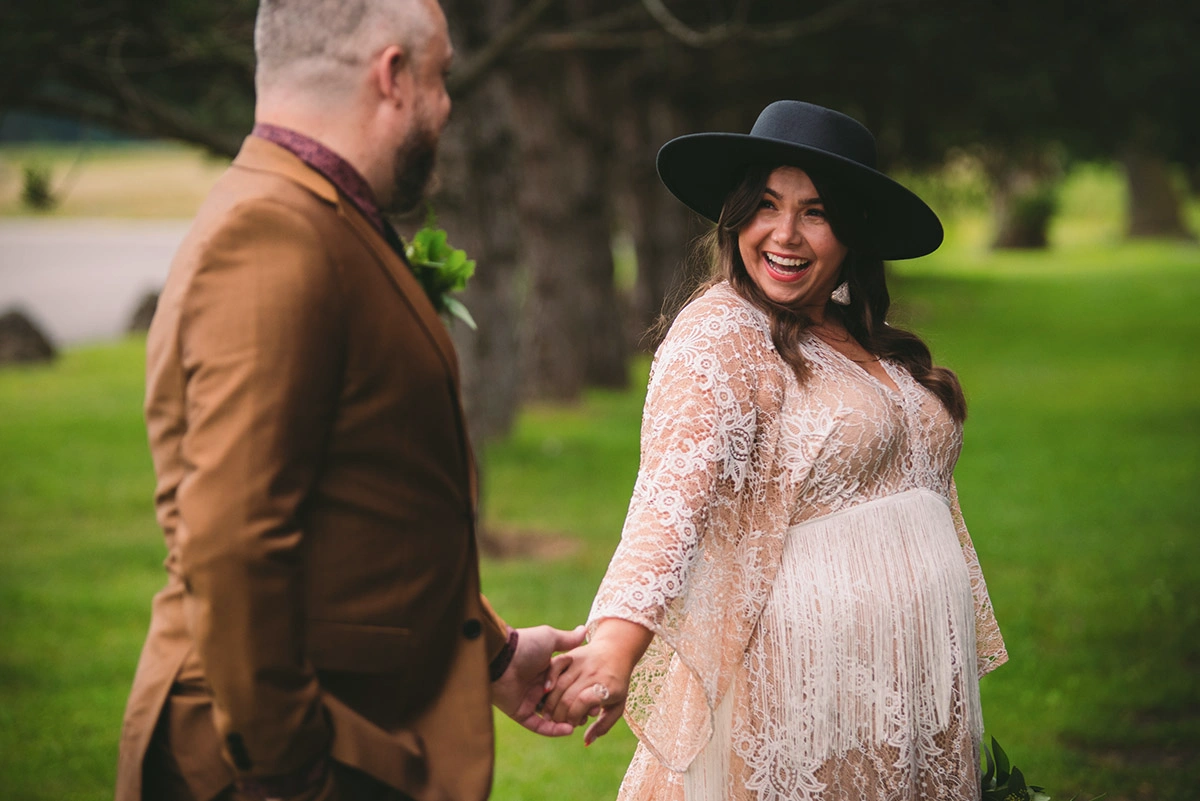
point(1078, 481)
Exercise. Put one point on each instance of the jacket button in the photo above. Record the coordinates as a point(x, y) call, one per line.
point(472, 628)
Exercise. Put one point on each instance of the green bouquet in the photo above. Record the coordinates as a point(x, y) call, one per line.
point(1003, 782)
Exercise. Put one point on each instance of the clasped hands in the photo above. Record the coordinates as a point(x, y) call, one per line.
point(591, 680)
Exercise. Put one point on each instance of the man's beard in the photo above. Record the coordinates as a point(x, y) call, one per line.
point(413, 168)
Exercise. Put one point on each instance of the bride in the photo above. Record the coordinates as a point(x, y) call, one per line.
point(795, 609)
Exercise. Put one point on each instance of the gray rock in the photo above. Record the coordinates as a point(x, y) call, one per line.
point(22, 342)
point(140, 321)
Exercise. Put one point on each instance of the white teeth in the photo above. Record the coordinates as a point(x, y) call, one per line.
point(780, 261)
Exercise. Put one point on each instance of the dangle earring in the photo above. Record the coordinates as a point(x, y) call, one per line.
point(841, 295)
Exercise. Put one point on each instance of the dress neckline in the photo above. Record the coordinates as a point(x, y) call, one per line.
point(894, 391)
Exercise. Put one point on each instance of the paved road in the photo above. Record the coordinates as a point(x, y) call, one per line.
point(80, 280)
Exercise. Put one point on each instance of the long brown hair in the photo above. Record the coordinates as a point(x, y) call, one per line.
point(865, 317)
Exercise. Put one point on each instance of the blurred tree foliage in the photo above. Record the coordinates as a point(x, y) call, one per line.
point(182, 69)
point(568, 100)
point(926, 74)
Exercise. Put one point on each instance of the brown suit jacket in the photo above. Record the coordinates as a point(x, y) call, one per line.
point(316, 489)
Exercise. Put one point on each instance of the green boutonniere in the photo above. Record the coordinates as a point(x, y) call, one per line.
point(440, 269)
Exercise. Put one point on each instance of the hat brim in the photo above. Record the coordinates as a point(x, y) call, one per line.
point(702, 169)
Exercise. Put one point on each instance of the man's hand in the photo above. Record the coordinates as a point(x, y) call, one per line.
point(595, 680)
point(519, 691)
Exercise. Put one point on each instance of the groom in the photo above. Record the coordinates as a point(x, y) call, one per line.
point(321, 633)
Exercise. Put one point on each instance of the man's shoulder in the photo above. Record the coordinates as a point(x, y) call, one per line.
point(243, 189)
point(256, 223)
point(250, 207)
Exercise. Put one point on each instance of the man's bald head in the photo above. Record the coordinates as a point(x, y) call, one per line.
point(318, 48)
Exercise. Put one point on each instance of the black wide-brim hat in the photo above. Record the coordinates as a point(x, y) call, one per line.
point(702, 169)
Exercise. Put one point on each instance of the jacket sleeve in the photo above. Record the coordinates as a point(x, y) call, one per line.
point(260, 342)
point(494, 628)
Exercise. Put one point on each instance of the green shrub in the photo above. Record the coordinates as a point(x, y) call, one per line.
point(36, 192)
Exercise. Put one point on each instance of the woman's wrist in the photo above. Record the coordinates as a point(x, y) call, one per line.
point(623, 641)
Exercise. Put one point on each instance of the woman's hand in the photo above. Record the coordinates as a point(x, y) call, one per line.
point(518, 691)
point(595, 679)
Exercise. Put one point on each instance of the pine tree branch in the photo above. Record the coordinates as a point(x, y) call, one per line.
point(737, 30)
point(568, 41)
point(681, 31)
point(118, 119)
point(462, 80)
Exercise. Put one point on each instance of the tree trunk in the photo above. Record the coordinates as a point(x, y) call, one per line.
point(662, 228)
point(1024, 200)
point(1193, 180)
point(1153, 205)
point(475, 206)
point(572, 328)
point(478, 171)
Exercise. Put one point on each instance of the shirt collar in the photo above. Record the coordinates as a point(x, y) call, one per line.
point(341, 173)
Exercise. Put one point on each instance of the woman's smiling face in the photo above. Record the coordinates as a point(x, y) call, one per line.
point(788, 247)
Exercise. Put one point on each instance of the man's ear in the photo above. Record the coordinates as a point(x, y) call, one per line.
point(392, 74)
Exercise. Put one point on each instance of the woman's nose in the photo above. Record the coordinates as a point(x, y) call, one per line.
point(787, 230)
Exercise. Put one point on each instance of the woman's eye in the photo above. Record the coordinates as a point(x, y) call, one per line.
point(766, 204)
point(817, 213)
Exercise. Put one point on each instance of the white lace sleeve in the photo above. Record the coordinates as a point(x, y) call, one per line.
point(704, 498)
point(989, 645)
point(697, 429)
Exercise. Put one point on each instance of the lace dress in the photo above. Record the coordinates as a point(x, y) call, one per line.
point(821, 618)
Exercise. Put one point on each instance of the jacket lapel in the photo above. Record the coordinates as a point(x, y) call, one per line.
point(259, 154)
point(414, 295)
point(406, 284)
